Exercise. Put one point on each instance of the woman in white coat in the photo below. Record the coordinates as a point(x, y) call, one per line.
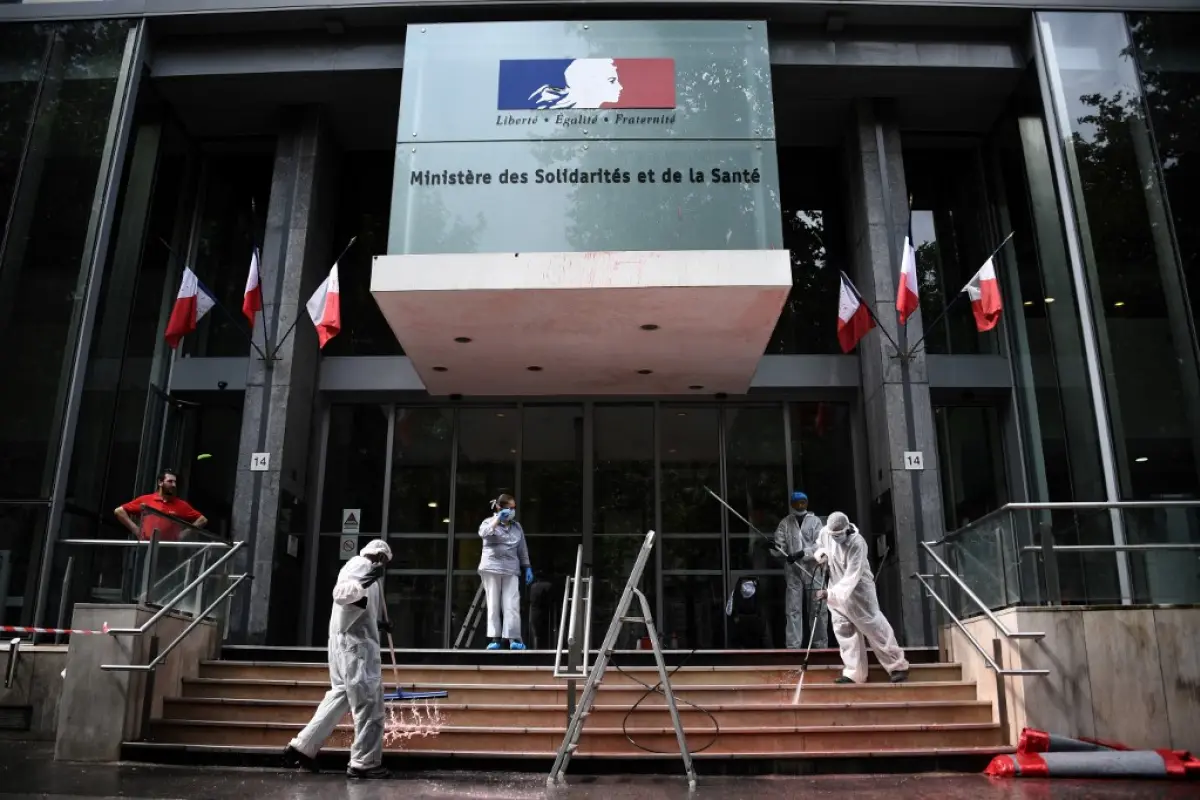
point(854, 605)
point(505, 557)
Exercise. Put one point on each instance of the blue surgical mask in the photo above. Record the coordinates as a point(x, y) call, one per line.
point(507, 514)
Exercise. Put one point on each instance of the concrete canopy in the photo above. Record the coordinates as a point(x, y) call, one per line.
point(578, 319)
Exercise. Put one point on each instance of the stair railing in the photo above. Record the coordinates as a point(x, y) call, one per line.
point(170, 605)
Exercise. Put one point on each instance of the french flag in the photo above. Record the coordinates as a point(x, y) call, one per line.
point(984, 294)
point(252, 302)
point(325, 307)
point(907, 299)
point(191, 304)
point(586, 83)
point(854, 320)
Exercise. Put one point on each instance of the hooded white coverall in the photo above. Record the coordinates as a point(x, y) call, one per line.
point(354, 668)
point(854, 606)
point(797, 535)
point(504, 555)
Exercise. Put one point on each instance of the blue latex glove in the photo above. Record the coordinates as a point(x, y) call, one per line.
point(528, 575)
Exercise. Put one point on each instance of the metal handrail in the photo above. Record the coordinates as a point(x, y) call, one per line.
point(991, 662)
point(137, 543)
point(170, 604)
point(167, 650)
point(575, 597)
point(1000, 626)
point(1107, 548)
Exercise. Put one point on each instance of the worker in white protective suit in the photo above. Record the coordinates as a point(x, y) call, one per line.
point(796, 540)
point(354, 668)
point(853, 605)
point(504, 558)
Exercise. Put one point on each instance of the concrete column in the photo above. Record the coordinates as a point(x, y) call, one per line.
point(898, 413)
point(269, 506)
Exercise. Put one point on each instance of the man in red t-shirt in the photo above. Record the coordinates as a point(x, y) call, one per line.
point(164, 501)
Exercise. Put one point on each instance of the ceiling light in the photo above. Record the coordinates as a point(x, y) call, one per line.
point(534, 369)
point(681, 413)
point(513, 450)
point(645, 371)
point(1028, 302)
point(672, 450)
point(1049, 300)
point(1142, 460)
point(433, 503)
point(446, 521)
point(1118, 304)
point(439, 369)
point(499, 413)
point(462, 339)
point(650, 326)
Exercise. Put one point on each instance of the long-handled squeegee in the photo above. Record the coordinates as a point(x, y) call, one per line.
point(400, 694)
point(750, 525)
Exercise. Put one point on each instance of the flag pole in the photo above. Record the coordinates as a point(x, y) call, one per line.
point(216, 302)
point(946, 310)
point(871, 311)
point(292, 327)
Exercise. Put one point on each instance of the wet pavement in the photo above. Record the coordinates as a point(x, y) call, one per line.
point(28, 771)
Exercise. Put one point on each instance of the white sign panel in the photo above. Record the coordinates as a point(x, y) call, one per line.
point(351, 517)
point(348, 548)
point(260, 462)
point(914, 460)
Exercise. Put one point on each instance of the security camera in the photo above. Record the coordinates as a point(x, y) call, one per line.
point(222, 384)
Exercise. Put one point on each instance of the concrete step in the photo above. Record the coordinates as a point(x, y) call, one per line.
point(555, 693)
point(613, 716)
point(608, 742)
point(527, 676)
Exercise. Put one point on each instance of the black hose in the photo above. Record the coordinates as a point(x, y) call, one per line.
point(716, 733)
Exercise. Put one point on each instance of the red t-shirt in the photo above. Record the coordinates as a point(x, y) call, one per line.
point(167, 530)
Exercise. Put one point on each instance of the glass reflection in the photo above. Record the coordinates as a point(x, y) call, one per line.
point(488, 439)
point(814, 235)
point(420, 491)
point(1144, 327)
point(356, 455)
point(552, 469)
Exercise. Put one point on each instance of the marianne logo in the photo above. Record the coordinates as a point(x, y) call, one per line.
point(586, 83)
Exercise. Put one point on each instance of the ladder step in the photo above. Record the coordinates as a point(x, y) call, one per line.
point(642, 620)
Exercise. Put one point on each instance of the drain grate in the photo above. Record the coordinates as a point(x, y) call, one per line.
point(16, 718)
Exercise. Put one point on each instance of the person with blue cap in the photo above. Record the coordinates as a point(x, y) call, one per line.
point(796, 539)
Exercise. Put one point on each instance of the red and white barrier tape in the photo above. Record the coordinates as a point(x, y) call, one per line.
point(51, 631)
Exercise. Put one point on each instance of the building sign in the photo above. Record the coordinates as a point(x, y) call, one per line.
point(652, 136)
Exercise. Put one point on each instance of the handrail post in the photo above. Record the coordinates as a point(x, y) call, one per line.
point(64, 596)
point(573, 649)
point(148, 566)
point(1050, 564)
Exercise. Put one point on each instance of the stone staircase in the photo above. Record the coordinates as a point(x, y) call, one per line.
point(497, 709)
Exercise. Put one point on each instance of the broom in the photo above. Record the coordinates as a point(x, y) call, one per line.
point(400, 694)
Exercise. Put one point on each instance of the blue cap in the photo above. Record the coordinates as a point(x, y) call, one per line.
point(799, 496)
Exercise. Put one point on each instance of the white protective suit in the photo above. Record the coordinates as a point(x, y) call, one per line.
point(505, 554)
point(797, 535)
point(354, 666)
point(853, 604)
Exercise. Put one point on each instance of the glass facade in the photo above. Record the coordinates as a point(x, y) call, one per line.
point(1091, 161)
point(58, 88)
point(647, 469)
point(1144, 326)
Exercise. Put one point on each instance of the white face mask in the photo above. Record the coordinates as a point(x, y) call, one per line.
point(838, 535)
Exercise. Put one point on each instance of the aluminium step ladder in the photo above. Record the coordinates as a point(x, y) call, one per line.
point(575, 727)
